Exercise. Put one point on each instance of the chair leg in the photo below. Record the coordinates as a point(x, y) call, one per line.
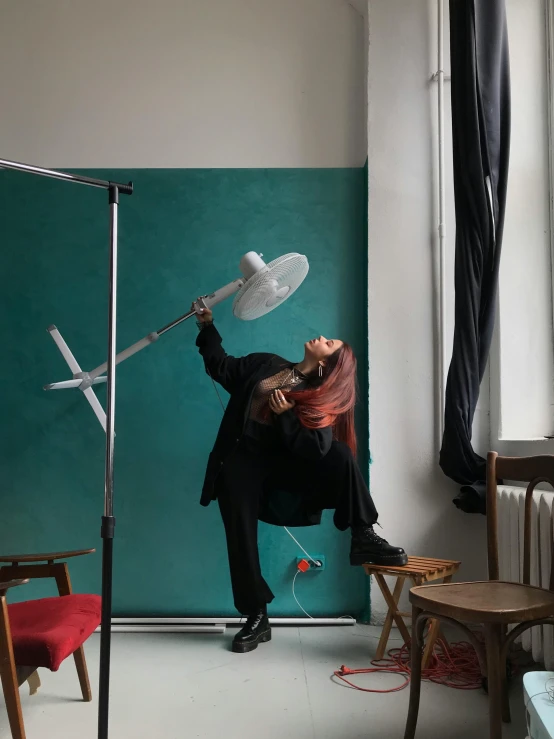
point(383, 641)
point(506, 715)
point(387, 595)
point(8, 674)
point(434, 632)
point(13, 705)
point(415, 668)
point(64, 588)
point(34, 683)
point(493, 634)
point(82, 672)
point(432, 637)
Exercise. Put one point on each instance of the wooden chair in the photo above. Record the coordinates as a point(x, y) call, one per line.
point(43, 632)
point(494, 604)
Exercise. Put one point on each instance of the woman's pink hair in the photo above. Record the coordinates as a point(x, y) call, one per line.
point(331, 401)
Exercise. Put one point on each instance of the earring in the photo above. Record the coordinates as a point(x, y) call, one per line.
point(321, 370)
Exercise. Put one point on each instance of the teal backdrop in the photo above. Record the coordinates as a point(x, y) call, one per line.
point(181, 234)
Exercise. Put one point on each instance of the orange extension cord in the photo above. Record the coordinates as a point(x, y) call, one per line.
point(454, 665)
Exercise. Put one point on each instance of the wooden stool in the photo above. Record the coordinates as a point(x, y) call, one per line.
point(419, 570)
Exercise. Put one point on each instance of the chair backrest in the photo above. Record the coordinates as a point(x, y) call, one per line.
point(530, 470)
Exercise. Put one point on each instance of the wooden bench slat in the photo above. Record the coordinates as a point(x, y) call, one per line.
point(433, 559)
point(431, 562)
point(417, 566)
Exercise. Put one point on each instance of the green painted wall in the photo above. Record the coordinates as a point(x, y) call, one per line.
point(181, 234)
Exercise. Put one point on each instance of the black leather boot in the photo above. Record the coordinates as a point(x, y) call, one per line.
point(256, 631)
point(369, 548)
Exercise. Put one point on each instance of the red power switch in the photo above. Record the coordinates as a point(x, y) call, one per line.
point(303, 565)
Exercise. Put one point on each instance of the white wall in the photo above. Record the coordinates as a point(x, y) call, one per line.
point(412, 494)
point(182, 83)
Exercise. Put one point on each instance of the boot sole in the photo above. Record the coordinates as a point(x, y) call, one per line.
point(393, 561)
point(250, 646)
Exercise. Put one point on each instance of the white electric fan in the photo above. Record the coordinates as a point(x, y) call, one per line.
point(261, 289)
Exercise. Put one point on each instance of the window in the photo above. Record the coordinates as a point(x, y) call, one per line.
point(522, 361)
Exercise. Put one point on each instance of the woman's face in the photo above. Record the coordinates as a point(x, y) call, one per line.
point(321, 348)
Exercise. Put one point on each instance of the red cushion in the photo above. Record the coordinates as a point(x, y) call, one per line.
point(46, 631)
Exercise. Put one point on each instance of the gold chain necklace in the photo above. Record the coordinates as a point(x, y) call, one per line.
point(293, 378)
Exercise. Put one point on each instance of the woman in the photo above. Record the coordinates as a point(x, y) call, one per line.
point(285, 451)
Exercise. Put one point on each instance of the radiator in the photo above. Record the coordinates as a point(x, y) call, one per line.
point(539, 641)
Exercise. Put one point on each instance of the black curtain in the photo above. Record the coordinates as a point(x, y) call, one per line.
point(481, 138)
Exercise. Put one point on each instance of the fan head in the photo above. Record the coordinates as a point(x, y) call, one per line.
point(270, 285)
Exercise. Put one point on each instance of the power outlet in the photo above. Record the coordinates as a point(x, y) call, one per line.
point(313, 567)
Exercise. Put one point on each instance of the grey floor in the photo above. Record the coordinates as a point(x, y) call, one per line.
point(187, 686)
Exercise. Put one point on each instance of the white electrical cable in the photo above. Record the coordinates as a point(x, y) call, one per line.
point(296, 599)
point(316, 563)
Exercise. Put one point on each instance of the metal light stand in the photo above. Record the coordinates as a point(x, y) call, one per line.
point(85, 381)
point(108, 520)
